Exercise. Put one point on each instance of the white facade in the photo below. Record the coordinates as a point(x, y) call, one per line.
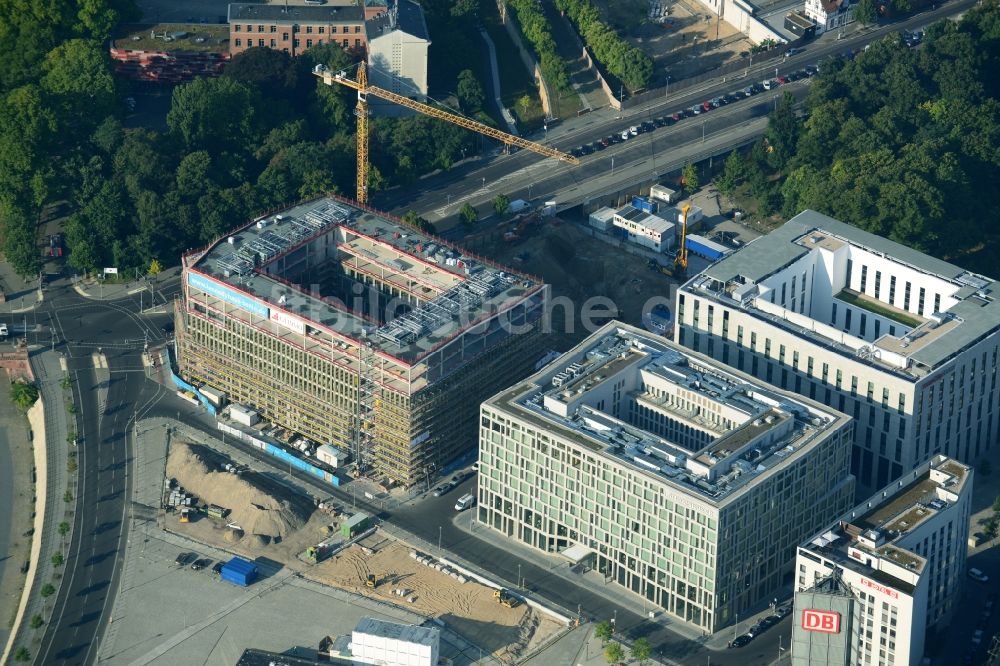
point(397, 54)
point(903, 342)
point(681, 481)
point(602, 219)
point(829, 14)
point(381, 642)
point(644, 228)
point(902, 555)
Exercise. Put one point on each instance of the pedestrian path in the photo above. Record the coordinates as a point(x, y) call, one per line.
point(508, 119)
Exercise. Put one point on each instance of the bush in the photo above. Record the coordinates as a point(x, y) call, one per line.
point(633, 66)
point(22, 654)
point(58, 560)
point(36, 621)
point(47, 590)
point(23, 394)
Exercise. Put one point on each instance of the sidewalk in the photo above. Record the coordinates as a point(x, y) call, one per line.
point(594, 582)
point(22, 295)
point(48, 375)
point(102, 290)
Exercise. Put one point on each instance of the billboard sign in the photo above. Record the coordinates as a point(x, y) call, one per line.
point(288, 321)
point(228, 295)
point(825, 622)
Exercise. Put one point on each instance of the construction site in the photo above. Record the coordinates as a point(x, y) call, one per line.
point(354, 329)
point(264, 521)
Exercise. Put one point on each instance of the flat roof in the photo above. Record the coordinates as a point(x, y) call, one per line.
point(878, 531)
point(403, 15)
point(769, 426)
point(279, 13)
point(403, 632)
point(977, 316)
point(184, 37)
point(454, 291)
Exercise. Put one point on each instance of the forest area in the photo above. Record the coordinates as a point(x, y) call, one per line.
point(902, 142)
point(263, 134)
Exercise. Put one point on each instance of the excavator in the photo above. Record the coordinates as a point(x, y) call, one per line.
point(372, 581)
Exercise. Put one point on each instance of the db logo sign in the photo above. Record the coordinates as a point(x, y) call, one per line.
point(827, 622)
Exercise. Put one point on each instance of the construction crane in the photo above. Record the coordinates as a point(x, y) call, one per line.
point(681, 262)
point(361, 111)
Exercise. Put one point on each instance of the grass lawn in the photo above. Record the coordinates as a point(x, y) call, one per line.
point(515, 81)
point(865, 304)
point(137, 37)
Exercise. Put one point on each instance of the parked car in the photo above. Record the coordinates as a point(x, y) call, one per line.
point(707, 105)
point(599, 145)
point(586, 149)
point(217, 567)
point(606, 141)
point(768, 84)
point(200, 564)
point(634, 130)
point(626, 136)
point(794, 51)
point(184, 558)
point(769, 622)
point(811, 70)
point(576, 152)
point(662, 121)
point(783, 611)
point(677, 115)
point(782, 80)
point(696, 110)
point(647, 127)
point(443, 489)
point(976, 574)
point(717, 102)
point(741, 641)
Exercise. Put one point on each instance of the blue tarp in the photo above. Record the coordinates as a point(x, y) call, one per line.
point(301, 464)
point(180, 383)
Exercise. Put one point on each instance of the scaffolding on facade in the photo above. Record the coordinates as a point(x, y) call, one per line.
point(368, 401)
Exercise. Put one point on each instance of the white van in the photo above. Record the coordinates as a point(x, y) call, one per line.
point(3, 331)
point(465, 501)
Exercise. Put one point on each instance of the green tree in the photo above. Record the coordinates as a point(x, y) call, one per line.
point(214, 114)
point(689, 176)
point(21, 654)
point(67, 497)
point(470, 92)
point(732, 174)
point(614, 653)
point(604, 631)
point(36, 621)
point(996, 504)
point(501, 204)
point(47, 590)
point(866, 11)
point(79, 79)
point(468, 214)
point(641, 650)
point(524, 102)
point(63, 529)
point(275, 73)
point(23, 394)
point(58, 559)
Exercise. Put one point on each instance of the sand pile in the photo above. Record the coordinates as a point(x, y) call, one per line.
point(254, 509)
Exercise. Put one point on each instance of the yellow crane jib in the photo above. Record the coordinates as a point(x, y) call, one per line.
point(361, 110)
point(682, 254)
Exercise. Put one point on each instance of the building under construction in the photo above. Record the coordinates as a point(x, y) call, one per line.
point(352, 328)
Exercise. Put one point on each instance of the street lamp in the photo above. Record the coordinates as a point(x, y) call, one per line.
point(519, 576)
point(439, 537)
point(703, 130)
point(484, 182)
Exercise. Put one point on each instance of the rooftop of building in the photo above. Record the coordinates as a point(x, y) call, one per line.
point(173, 37)
point(456, 291)
point(645, 218)
point(769, 427)
point(875, 531)
point(403, 15)
point(928, 341)
point(280, 13)
point(403, 632)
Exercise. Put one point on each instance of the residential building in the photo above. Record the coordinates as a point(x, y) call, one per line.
point(905, 343)
point(676, 478)
point(351, 328)
point(829, 14)
point(397, 54)
point(901, 556)
point(295, 28)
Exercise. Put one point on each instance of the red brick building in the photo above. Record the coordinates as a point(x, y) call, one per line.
point(295, 28)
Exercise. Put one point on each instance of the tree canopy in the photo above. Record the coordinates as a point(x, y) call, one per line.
point(901, 142)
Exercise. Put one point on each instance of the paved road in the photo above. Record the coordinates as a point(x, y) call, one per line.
point(520, 175)
point(92, 564)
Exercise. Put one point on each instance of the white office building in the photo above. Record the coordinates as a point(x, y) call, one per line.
point(829, 14)
point(905, 343)
point(398, 42)
point(902, 556)
point(662, 471)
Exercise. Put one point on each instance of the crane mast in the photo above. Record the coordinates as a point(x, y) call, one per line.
point(361, 111)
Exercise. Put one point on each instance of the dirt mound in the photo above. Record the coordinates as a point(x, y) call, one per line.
point(258, 511)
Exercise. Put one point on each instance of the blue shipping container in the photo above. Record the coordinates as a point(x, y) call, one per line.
point(239, 571)
point(644, 204)
point(695, 246)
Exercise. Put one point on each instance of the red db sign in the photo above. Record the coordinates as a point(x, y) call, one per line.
point(826, 622)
